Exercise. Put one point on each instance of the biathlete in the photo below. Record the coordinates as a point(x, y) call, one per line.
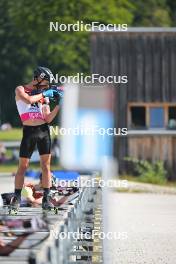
point(35, 114)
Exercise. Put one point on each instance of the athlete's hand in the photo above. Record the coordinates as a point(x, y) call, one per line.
point(58, 95)
point(50, 93)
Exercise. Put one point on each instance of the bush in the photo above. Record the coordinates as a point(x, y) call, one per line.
point(149, 172)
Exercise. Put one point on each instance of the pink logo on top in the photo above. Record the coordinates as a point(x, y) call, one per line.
point(27, 116)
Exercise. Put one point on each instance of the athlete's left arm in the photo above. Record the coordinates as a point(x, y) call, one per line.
point(49, 115)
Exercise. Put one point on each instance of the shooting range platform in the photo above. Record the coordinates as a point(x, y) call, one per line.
point(52, 244)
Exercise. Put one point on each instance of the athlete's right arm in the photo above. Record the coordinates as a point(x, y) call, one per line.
point(19, 91)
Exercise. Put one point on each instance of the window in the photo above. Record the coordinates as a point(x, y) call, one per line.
point(151, 115)
point(138, 117)
point(172, 117)
point(156, 117)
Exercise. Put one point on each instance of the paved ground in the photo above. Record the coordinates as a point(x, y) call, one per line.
point(6, 183)
point(149, 221)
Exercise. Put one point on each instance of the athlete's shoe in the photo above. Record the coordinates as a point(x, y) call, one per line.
point(47, 203)
point(14, 205)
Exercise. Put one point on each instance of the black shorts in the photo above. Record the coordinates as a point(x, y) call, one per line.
point(35, 136)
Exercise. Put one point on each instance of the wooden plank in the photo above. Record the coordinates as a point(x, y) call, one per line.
point(164, 65)
point(139, 90)
point(172, 68)
point(148, 70)
point(156, 60)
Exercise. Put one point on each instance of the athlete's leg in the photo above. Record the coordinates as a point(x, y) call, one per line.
point(19, 181)
point(19, 177)
point(27, 146)
point(45, 161)
point(44, 148)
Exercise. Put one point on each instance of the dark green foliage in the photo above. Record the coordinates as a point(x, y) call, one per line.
point(149, 172)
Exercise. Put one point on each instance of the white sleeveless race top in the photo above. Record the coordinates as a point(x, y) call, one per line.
point(29, 111)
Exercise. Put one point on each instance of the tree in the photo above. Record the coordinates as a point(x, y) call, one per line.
point(152, 13)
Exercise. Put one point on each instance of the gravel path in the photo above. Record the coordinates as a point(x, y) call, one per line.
point(149, 224)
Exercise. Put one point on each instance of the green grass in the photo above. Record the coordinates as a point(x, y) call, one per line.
point(14, 134)
point(12, 167)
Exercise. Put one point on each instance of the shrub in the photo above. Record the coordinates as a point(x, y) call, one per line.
point(149, 172)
